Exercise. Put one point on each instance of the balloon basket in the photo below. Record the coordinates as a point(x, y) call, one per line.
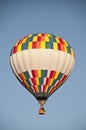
point(41, 111)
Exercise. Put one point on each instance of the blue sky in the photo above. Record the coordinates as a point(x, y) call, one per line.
point(66, 108)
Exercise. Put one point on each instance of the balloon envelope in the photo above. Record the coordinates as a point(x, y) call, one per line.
point(42, 63)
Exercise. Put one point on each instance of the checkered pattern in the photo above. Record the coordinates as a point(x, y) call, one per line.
point(42, 81)
point(37, 75)
point(42, 41)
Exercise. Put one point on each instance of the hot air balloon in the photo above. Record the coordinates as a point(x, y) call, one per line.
point(42, 63)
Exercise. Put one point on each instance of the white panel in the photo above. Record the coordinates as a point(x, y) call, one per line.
point(70, 67)
point(48, 74)
point(40, 58)
point(66, 63)
point(14, 57)
point(44, 82)
point(59, 63)
point(46, 59)
point(13, 67)
point(20, 62)
point(41, 88)
point(27, 59)
point(30, 73)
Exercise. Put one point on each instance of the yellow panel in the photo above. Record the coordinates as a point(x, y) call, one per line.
point(23, 76)
point(46, 89)
point(39, 34)
point(39, 73)
point(19, 47)
point(57, 39)
point(35, 38)
point(30, 45)
point(37, 88)
point(24, 40)
point(42, 44)
point(47, 38)
point(54, 45)
point(37, 81)
point(26, 83)
point(51, 81)
point(56, 75)
point(65, 48)
point(72, 52)
point(65, 43)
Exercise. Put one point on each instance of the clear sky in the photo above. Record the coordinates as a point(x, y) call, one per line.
point(66, 108)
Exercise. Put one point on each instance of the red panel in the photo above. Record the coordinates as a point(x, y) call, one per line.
point(34, 81)
point(34, 73)
point(34, 45)
point(48, 81)
point(55, 87)
point(61, 41)
point(52, 74)
point(59, 46)
point(34, 87)
point(39, 38)
point(62, 47)
point(42, 38)
point(38, 44)
point(42, 34)
point(14, 49)
point(44, 88)
point(22, 77)
point(64, 78)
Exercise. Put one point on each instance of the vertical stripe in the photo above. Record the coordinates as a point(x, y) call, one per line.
point(34, 45)
point(52, 74)
point(47, 39)
point(72, 52)
point(22, 76)
point(30, 45)
point(39, 38)
point(37, 81)
point(28, 82)
point(24, 46)
point(39, 73)
point(46, 88)
point(14, 49)
point(64, 78)
point(42, 44)
point(35, 38)
point(55, 87)
point(55, 46)
point(62, 47)
point(19, 47)
point(59, 46)
point(59, 76)
point(61, 40)
point(27, 87)
point(27, 74)
point(38, 44)
point(68, 49)
point(56, 75)
point(41, 81)
point(57, 39)
point(34, 73)
point(33, 81)
point(35, 88)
